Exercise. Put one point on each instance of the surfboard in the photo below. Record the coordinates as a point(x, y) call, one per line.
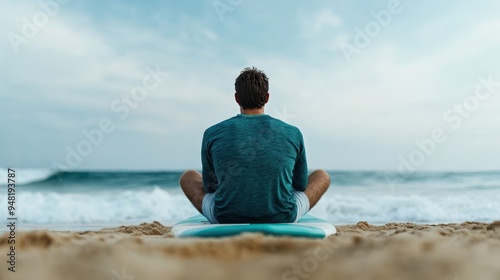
point(308, 226)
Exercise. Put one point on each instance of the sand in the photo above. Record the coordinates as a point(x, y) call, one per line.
point(148, 251)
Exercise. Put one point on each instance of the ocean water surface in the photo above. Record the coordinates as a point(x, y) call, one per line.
point(95, 199)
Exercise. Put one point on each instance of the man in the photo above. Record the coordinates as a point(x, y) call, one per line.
point(254, 166)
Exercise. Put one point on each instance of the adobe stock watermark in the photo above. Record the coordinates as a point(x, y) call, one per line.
point(121, 276)
point(121, 107)
point(365, 35)
point(31, 27)
point(454, 117)
point(283, 114)
point(309, 264)
point(224, 6)
point(248, 149)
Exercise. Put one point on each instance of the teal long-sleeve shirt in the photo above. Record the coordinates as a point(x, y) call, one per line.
point(253, 163)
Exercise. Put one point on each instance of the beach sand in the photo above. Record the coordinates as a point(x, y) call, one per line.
point(148, 251)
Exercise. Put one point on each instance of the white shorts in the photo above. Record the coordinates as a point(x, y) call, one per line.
point(208, 206)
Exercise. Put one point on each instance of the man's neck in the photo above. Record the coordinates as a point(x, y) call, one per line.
point(258, 111)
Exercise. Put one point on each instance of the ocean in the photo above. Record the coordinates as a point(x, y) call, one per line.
point(90, 200)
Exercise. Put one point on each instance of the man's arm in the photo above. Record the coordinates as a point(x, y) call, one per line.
point(208, 172)
point(300, 169)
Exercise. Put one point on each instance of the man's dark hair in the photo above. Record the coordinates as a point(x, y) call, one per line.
point(252, 87)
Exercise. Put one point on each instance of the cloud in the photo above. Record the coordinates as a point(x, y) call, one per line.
point(323, 20)
point(67, 76)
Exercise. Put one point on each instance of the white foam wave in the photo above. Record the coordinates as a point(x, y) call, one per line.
point(100, 207)
point(26, 175)
point(113, 207)
point(378, 209)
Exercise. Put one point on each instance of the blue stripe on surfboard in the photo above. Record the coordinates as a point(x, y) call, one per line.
point(301, 229)
point(269, 229)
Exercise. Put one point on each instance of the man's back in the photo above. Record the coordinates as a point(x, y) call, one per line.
point(253, 163)
point(254, 166)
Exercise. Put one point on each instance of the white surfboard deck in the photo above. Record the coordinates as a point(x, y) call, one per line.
point(308, 226)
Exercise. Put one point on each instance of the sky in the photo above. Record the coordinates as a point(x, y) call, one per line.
point(132, 85)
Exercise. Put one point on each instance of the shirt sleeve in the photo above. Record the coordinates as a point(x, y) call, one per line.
point(299, 181)
point(208, 173)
